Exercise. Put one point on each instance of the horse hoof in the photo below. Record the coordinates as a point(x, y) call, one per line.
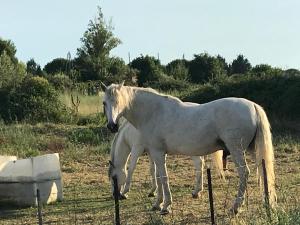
point(164, 212)
point(195, 195)
point(122, 197)
point(151, 195)
point(155, 208)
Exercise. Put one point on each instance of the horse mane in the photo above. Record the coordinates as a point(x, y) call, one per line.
point(152, 91)
point(124, 95)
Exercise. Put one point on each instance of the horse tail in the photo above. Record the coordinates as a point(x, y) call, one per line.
point(218, 163)
point(264, 150)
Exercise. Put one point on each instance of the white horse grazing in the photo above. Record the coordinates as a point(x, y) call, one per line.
point(127, 142)
point(169, 126)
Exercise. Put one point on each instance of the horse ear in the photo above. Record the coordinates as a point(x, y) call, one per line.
point(103, 86)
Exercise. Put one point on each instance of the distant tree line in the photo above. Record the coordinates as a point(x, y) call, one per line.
point(93, 63)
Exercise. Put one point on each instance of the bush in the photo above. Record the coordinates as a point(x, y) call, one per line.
point(279, 95)
point(33, 100)
point(60, 81)
point(11, 74)
point(166, 83)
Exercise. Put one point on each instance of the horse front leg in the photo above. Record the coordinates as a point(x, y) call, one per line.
point(162, 180)
point(159, 196)
point(153, 177)
point(132, 166)
point(199, 165)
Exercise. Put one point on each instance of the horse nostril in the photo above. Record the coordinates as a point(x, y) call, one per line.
point(113, 127)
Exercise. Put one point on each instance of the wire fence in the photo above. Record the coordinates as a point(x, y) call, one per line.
point(93, 203)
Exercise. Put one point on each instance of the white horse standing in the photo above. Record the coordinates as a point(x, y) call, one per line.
point(169, 126)
point(127, 142)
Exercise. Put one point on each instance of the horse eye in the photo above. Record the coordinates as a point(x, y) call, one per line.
point(104, 103)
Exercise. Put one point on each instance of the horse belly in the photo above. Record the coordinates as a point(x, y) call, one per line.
point(192, 149)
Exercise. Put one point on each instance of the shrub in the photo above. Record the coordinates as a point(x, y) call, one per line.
point(278, 94)
point(60, 81)
point(33, 100)
point(166, 83)
point(11, 74)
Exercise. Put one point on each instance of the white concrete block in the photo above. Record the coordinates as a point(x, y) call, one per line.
point(20, 179)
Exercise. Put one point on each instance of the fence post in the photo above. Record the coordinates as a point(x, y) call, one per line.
point(116, 197)
point(266, 188)
point(39, 204)
point(210, 195)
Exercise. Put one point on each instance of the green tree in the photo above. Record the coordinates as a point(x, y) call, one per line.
point(97, 42)
point(33, 68)
point(10, 49)
point(11, 74)
point(178, 69)
point(149, 69)
point(58, 65)
point(265, 69)
point(240, 65)
point(205, 67)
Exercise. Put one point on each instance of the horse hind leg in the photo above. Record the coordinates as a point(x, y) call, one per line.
point(199, 166)
point(238, 157)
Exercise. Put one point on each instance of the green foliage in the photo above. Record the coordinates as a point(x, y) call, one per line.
point(264, 70)
point(33, 68)
point(11, 74)
point(166, 83)
point(89, 135)
point(279, 95)
point(240, 65)
point(19, 140)
point(10, 49)
point(178, 69)
point(33, 100)
point(97, 42)
point(98, 119)
point(118, 71)
point(292, 72)
point(205, 67)
point(60, 82)
point(291, 217)
point(149, 69)
point(58, 65)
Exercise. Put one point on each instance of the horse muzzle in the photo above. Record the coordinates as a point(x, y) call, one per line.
point(113, 127)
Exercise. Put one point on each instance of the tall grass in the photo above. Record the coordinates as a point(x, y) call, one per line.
point(89, 104)
point(19, 140)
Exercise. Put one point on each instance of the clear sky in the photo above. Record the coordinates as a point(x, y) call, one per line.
point(265, 31)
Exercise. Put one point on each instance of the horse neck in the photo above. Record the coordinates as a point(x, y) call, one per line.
point(142, 107)
point(121, 152)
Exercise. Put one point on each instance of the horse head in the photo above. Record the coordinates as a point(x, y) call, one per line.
point(114, 104)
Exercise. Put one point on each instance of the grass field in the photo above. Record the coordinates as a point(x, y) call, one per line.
point(87, 194)
point(88, 104)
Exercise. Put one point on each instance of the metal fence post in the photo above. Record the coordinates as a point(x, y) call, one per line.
point(39, 204)
point(116, 197)
point(210, 195)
